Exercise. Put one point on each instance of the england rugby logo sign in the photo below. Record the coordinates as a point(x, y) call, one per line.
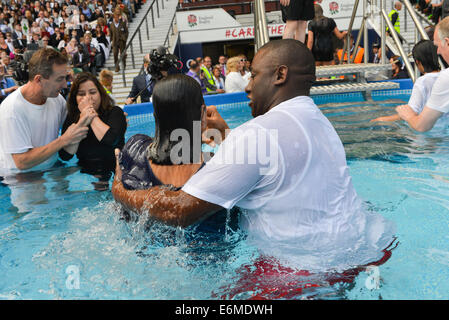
point(192, 20)
point(333, 7)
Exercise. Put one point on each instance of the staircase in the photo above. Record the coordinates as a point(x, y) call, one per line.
point(157, 36)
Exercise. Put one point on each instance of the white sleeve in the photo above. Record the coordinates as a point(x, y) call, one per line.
point(15, 136)
point(416, 101)
point(230, 83)
point(236, 169)
point(439, 98)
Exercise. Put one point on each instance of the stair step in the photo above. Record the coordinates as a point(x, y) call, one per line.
point(353, 87)
point(156, 37)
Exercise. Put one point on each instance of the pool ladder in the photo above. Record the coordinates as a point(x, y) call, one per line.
point(351, 78)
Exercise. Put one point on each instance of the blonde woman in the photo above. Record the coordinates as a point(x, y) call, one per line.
point(72, 47)
point(106, 78)
point(234, 80)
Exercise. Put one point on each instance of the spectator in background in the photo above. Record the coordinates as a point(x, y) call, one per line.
point(222, 61)
point(397, 67)
point(56, 38)
point(63, 43)
point(104, 27)
point(195, 73)
point(319, 39)
point(234, 80)
point(244, 70)
point(10, 42)
point(377, 53)
point(72, 47)
point(3, 45)
point(81, 59)
point(295, 14)
point(7, 84)
point(119, 35)
point(394, 18)
point(142, 84)
point(199, 60)
point(218, 78)
point(106, 78)
point(95, 58)
point(206, 68)
point(359, 52)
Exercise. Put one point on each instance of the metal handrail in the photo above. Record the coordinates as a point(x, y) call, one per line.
point(348, 36)
point(167, 38)
point(260, 25)
point(418, 25)
point(171, 28)
point(404, 56)
point(123, 55)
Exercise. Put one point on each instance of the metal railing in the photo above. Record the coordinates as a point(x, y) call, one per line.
point(171, 31)
point(122, 60)
point(260, 25)
point(370, 11)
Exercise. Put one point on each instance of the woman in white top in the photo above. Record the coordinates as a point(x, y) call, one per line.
point(234, 80)
point(426, 59)
point(72, 47)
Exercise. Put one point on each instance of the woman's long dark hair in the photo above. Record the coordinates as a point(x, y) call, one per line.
point(426, 53)
point(73, 112)
point(177, 102)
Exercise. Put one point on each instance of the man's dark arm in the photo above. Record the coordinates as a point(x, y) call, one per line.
point(175, 208)
point(394, 17)
point(134, 89)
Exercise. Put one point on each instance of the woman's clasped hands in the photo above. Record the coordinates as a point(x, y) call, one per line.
point(87, 111)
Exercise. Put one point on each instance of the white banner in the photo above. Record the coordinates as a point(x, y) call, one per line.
point(204, 19)
point(228, 34)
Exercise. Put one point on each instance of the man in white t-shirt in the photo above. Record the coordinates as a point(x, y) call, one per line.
point(31, 116)
point(286, 168)
point(438, 103)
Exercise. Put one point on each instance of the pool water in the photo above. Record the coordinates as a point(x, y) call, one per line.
point(62, 239)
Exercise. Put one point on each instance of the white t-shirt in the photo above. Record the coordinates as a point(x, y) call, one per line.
point(421, 91)
point(287, 169)
point(235, 82)
point(439, 98)
point(24, 126)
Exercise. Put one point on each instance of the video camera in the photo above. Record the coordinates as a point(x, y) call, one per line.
point(162, 60)
point(20, 69)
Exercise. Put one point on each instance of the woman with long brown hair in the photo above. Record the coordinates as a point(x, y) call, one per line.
point(89, 102)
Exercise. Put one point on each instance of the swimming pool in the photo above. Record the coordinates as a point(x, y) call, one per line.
point(60, 238)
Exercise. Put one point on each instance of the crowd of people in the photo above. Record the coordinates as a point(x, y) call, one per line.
point(228, 75)
point(283, 192)
point(85, 31)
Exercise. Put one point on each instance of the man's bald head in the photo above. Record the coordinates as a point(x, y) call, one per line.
point(292, 53)
point(281, 70)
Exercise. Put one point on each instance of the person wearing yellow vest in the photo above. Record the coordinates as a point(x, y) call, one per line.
point(359, 55)
point(394, 18)
point(206, 68)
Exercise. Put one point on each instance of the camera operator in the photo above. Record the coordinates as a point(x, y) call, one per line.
point(141, 82)
point(7, 84)
point(156, 66)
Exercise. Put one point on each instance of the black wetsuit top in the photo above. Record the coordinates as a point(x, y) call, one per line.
point(97, 155)
point(136, 170)
point(323, 29)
